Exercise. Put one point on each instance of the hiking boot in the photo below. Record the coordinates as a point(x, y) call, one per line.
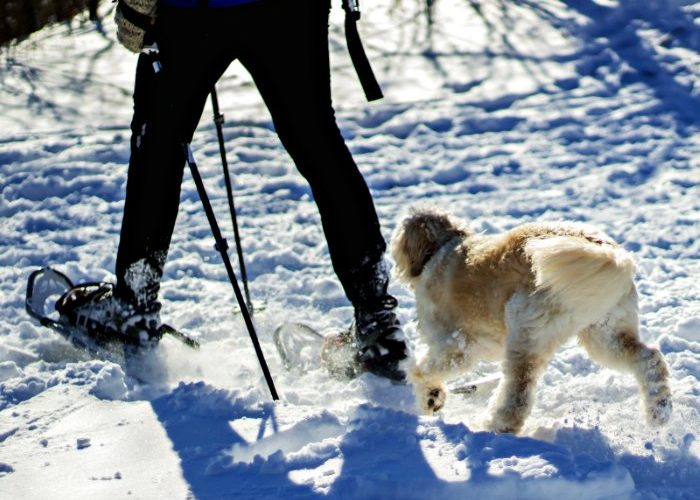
point(379, 338)
point(95, 308)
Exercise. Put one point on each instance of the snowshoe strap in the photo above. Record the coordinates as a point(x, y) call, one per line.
point(80, 295)
point(70, 303)
point(359, 59)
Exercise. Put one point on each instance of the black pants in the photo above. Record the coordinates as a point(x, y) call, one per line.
point(284, 46)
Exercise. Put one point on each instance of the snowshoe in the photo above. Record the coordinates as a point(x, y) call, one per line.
point(94, 308)
point(374, 343)
point(302, 348)
point(54, 301)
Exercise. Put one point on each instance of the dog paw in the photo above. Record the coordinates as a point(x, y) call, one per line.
point(501, 428)
point(433, 399)
point(505, 421)
point(660, 411)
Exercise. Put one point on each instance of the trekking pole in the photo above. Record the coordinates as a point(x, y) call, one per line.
point(219, 121)
point(222, 247)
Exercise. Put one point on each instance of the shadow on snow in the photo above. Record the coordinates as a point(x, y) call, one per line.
point(382, 454)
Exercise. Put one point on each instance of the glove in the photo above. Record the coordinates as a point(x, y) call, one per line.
point(133, 19)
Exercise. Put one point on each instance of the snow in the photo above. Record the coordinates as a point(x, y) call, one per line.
point(502, 113)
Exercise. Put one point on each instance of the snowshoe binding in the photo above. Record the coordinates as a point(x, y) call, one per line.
point(374, 343)
point(95, 308)
point(92, 318)
point(302, 348)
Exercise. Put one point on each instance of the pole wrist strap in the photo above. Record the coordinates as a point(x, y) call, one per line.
point(359, 59)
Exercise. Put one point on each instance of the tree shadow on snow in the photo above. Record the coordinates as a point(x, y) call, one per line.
point(611, 44)
point(637, 59)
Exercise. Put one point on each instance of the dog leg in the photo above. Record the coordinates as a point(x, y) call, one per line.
point(428, 377)
point(534, 333)
point(615, 343)
point(516, 391)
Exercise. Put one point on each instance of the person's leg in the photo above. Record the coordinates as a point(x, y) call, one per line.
point(286, 52)
point(288, 59)
point(167, 108)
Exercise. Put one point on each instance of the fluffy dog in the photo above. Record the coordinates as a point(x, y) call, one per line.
point(517, 297)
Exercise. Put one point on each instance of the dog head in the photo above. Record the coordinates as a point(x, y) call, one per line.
point(418, 237)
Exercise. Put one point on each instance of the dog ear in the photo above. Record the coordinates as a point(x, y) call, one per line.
point(407, 249)
point(418, 237)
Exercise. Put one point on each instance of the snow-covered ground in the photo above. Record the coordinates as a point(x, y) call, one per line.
point(503, 113)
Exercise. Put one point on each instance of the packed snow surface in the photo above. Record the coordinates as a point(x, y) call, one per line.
point(502, 113)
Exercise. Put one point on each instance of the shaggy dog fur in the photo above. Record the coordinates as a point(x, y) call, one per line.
point(517, 297)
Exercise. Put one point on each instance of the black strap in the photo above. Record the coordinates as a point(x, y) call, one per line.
point(359, 59)
point(135, 17)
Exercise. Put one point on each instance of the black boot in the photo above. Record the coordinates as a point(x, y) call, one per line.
point(380, 339)
point(377, 331)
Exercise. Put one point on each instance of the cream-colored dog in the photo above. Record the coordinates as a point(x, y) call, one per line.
point(519, 296)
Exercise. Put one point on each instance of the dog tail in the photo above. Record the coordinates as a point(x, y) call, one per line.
point(581, 275)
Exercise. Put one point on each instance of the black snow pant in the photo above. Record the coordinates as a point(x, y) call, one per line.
point(284, 46)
